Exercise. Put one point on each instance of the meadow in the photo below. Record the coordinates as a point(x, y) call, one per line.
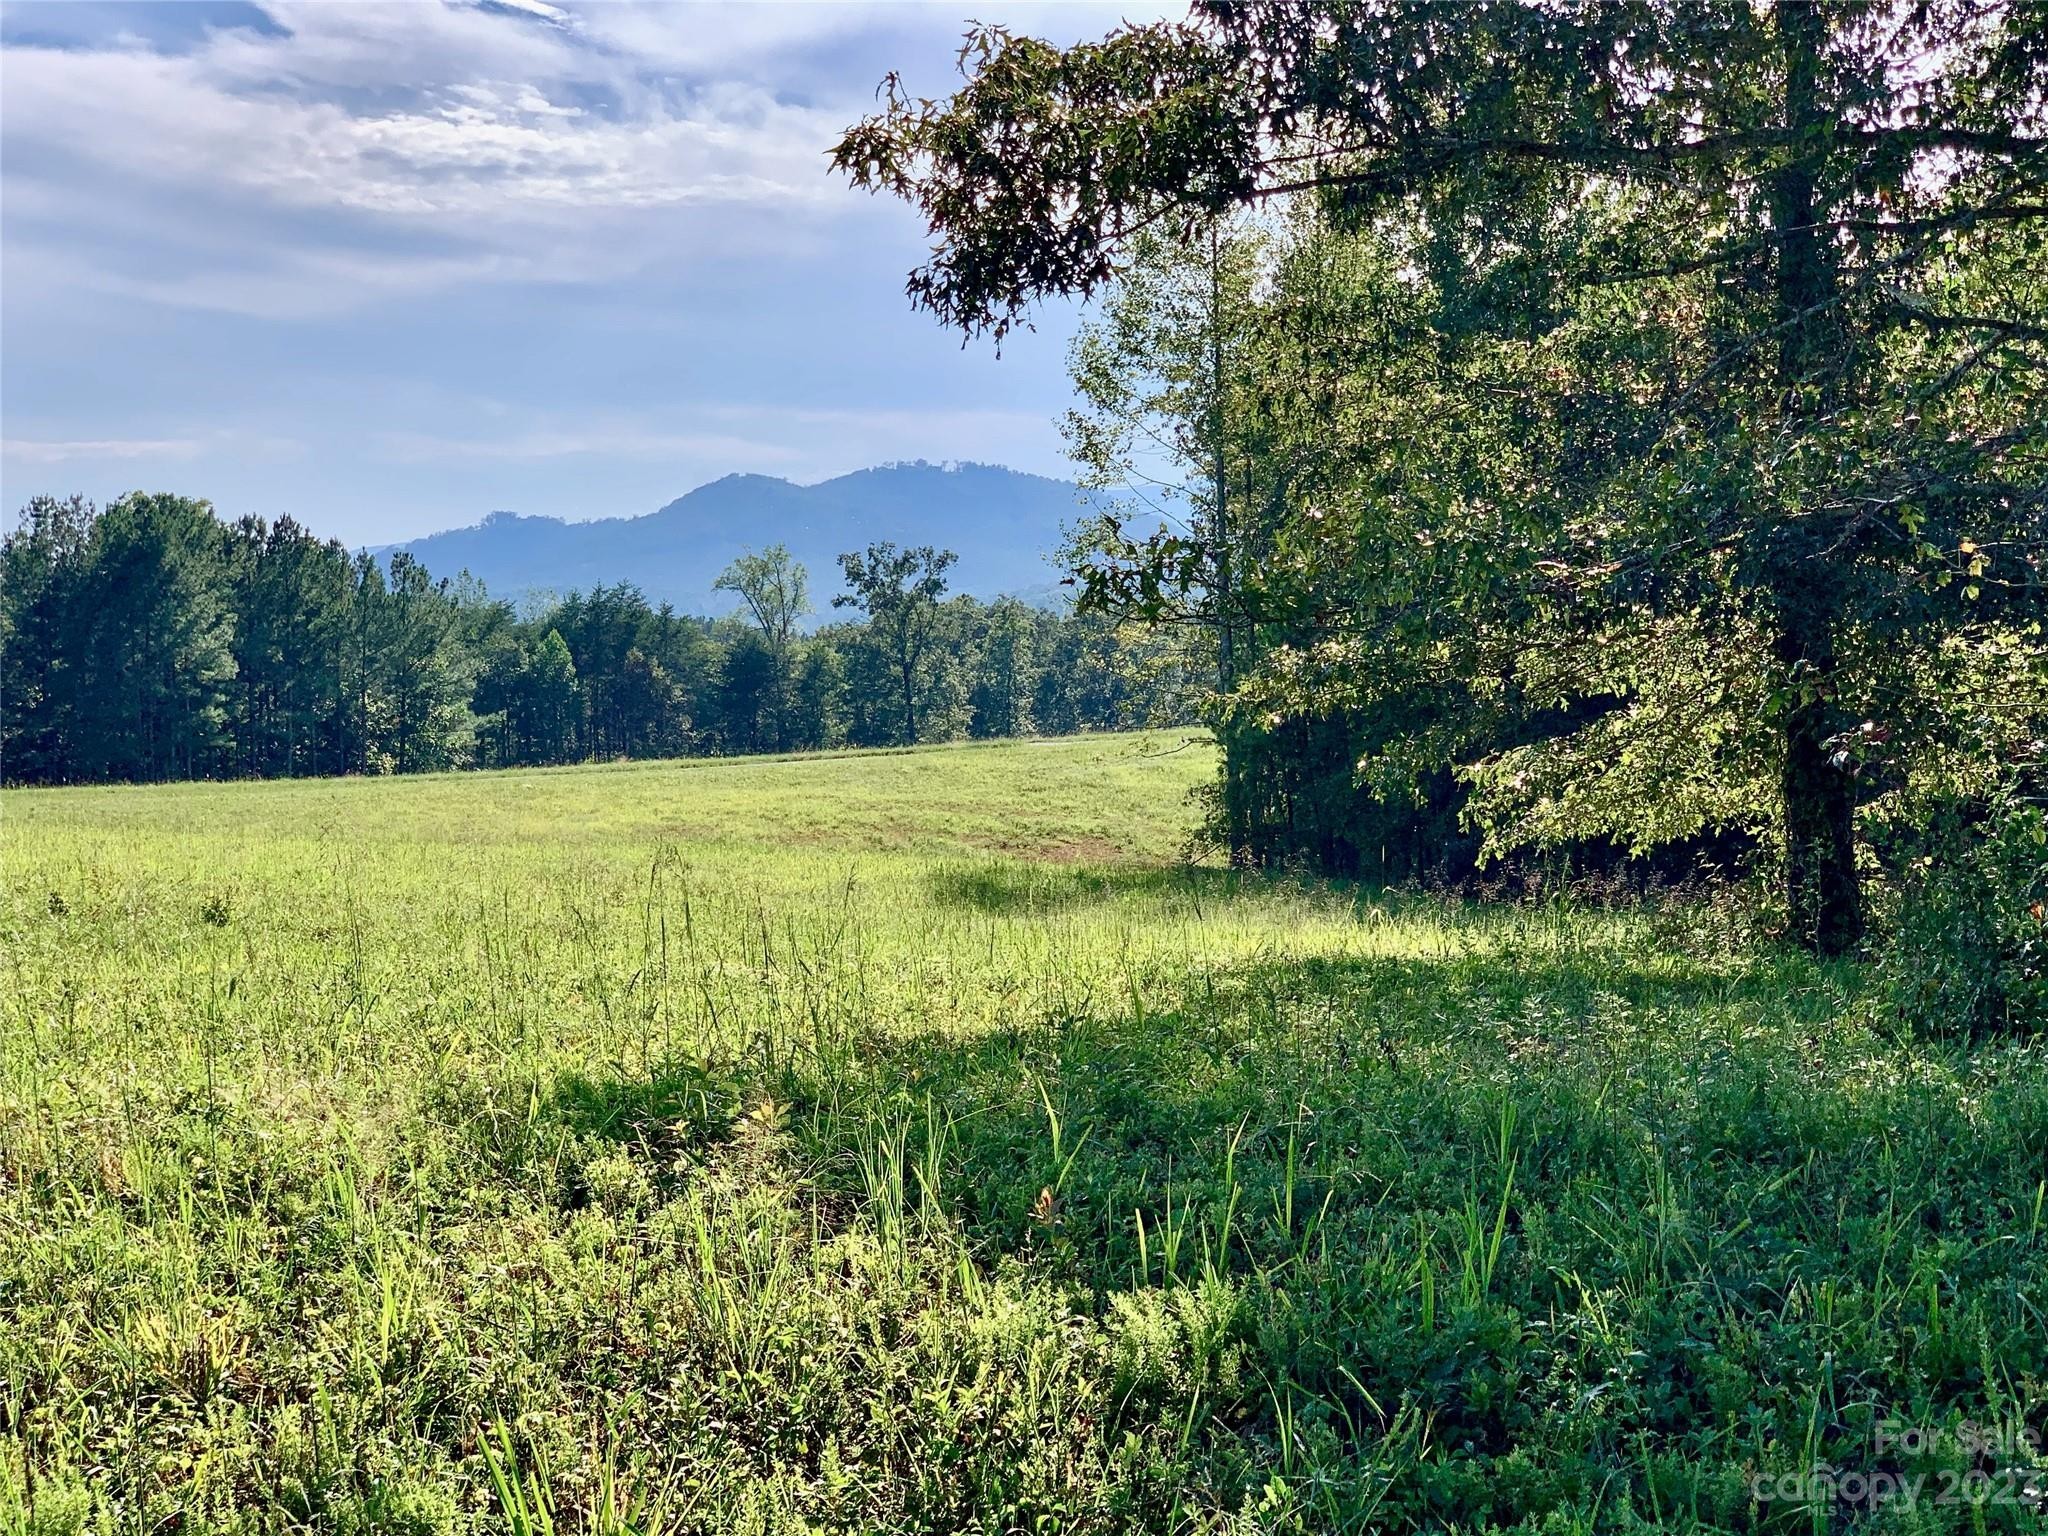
point(916, 1142)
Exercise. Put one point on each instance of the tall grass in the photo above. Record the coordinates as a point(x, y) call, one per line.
point(909, 1143)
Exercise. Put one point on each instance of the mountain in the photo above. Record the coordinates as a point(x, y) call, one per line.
point(1003, 524)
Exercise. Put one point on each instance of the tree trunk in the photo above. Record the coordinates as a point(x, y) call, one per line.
point(1823, 899)
point(908, 668)
point(1237, 829)
point(1823, 894)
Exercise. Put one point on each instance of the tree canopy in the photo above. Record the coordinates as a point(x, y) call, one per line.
point(151, 640)
point(1690, 362)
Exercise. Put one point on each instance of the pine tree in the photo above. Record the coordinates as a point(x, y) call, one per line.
point(153, 653)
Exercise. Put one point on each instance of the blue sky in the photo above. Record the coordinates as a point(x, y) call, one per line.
point(387, 268)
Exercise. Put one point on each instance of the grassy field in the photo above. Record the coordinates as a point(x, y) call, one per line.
point(910, 1142)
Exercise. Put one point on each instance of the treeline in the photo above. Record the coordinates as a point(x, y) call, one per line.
point(151, 640)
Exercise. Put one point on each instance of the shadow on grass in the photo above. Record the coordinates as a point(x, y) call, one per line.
point(682, 1104)
point(1550, 1211)
point(1016, 889)
point(524, 1128)
point(1415, 1170)
point(1367, 1087)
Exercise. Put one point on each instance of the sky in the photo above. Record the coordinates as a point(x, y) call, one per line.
point(388, 268)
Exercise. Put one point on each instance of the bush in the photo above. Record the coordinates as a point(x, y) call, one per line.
point(1970, 946)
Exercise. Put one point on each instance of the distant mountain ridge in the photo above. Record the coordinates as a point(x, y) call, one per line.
point(1005, 526)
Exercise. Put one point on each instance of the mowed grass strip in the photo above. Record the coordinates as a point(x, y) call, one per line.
point(912, 1142)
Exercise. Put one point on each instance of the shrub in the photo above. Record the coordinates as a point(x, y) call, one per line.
point(1969, 948)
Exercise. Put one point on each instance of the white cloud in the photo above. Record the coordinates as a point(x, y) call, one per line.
point(610, 443)
point(531, 8)
point(351, 151)
point(801, 443)
point(479, 147)
point(31, 451)
point(719, 38)
point(370, 149)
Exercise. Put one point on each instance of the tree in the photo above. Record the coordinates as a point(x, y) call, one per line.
point(776, 591)
point(500, 650)
point(1817, 271)
point(747, 695)
point(549, 704)
point(602, 627)
point(42, 566)
point(421, 672)
point(1170, 382)
point(1366, 453)
point(818, 714)
point(1005, 671)
point(1167, 378)
point(651, 704)
point(899, 591)
point(151, 657)
point(157, 642)
point(290, 593)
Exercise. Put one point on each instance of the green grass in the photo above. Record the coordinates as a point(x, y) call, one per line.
point(909, 1142)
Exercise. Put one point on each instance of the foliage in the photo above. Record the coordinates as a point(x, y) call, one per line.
point(776, 592)
point(775, 589)
point(1970, 946)
point(152, 642)
point(1696, 399)
point(134, 611)
point(899, 591)
point(1004, 672)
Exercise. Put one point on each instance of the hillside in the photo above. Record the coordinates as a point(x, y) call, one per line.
point(1004, 525)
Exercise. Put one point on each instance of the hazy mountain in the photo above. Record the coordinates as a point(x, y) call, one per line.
point(1004, 525)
